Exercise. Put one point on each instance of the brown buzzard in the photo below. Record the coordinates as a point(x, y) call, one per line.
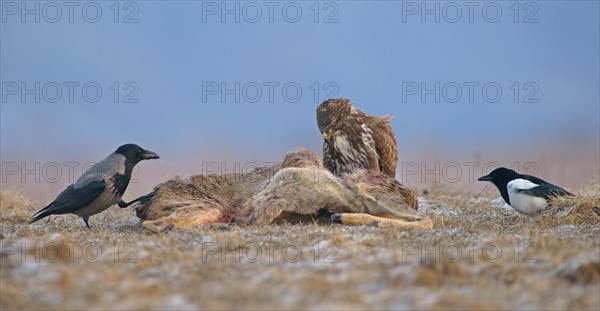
point(354, 139)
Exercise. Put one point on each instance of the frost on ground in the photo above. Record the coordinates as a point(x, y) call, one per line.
point(481, 255)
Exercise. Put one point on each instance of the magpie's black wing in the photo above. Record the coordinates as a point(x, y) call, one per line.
point(546, 191)
point(72, 199)
point(535, 180)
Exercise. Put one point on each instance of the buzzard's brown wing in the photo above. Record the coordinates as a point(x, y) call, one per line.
point(385, 143)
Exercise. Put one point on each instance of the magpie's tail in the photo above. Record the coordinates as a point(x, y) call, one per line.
point(43, 213)
point(563, 192)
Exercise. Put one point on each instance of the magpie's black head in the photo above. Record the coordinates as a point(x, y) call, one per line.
point(135, 153)
point(500, 175)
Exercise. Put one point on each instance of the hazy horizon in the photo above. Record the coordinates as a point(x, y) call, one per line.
point(200, 85)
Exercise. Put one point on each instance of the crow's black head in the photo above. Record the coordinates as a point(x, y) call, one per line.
point(135, 153)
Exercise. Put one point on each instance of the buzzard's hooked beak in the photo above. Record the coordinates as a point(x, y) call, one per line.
point(150, 155)
point(485, 178)
point(327, 134)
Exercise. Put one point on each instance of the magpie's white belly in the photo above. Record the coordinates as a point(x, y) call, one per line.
point(527, 204)
point(524, 203)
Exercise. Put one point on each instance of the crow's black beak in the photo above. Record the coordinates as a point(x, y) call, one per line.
point(485, 178)
point(149, 155)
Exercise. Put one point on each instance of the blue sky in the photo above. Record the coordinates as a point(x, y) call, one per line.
point(368, 52)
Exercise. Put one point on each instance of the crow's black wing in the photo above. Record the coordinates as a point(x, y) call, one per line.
point(72, 199)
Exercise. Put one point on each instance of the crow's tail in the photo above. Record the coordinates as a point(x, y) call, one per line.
point(43, 213)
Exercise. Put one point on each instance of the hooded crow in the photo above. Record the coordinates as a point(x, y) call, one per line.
point(527, 194)
point(100, 187)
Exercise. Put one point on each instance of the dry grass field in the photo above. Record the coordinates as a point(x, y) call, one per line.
point(481, 255)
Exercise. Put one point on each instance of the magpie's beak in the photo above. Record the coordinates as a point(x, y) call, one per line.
point(149, 155)
point(485, 178)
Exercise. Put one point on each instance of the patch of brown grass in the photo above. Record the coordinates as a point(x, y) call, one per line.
point(582, 270)
point(553, 264)
point(578, 209)
point(15, 207)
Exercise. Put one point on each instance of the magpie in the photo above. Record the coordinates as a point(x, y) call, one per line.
point(100, 187)
point(527, 194)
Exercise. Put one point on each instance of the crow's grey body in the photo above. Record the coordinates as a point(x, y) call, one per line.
point(106, 171)
point(100, 187)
